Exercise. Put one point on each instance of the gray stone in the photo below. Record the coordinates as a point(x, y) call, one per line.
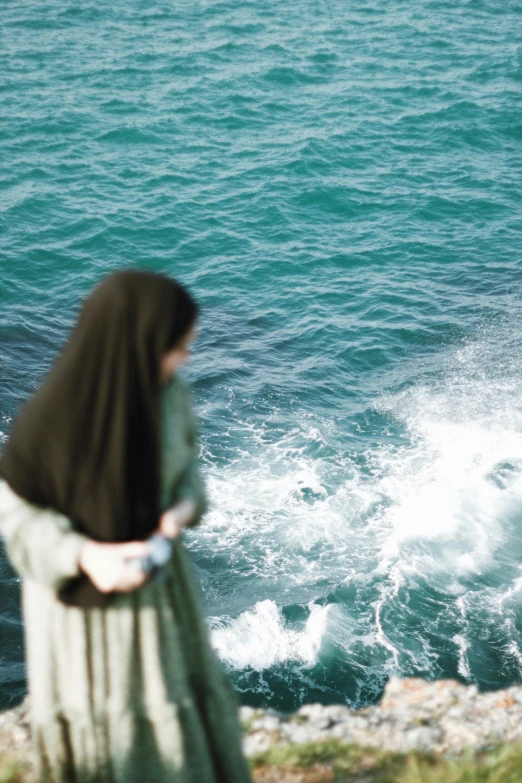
point(443, 717)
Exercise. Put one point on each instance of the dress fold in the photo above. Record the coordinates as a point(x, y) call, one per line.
point(131, 692)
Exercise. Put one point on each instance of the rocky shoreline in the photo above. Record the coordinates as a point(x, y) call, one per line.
point(442, 717)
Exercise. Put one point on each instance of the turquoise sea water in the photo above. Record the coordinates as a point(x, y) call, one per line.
point(339, 185)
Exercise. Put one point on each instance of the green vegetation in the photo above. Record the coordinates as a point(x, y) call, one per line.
point(12, 770)
point(336, 762)
point(340, 763)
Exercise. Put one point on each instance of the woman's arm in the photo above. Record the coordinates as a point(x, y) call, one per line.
point(188, 501)
point(191, 488)
point(41, 543)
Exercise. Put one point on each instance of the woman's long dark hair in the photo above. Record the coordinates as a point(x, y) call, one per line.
point(88, 443)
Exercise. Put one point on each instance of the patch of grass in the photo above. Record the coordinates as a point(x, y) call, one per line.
point(345, 762)
point(11, 772)
point(336, 762)
point(246, 724)
point(12, 769)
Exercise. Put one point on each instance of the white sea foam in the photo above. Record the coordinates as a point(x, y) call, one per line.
point(512, 591)
point(463, 663)
point(276, 504)
point(452, 486)
point(514, 650)
point(437, 505)
point(259, 638)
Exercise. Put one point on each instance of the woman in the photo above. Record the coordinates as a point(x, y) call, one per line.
point(124, 685)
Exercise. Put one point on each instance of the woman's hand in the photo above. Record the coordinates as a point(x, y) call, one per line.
point(108, 566)
point(175, 518)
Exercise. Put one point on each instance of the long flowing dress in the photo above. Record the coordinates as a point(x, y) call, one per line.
point(131, 693)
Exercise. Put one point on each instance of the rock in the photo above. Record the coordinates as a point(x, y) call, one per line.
point(442, 717)
point(15, 729)
point(246, 714)
point(265, 722)
point(256, 743)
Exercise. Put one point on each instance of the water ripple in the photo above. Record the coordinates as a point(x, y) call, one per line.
point(340, 184)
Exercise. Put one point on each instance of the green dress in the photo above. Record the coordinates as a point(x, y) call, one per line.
point(131, 693)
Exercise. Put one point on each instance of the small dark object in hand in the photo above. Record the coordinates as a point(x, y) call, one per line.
point(160, 553)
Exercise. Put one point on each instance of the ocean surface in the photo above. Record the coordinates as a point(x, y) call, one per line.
point(339, 184)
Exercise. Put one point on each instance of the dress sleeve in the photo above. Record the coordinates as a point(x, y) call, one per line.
point(190, 485)
point(41, 543)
